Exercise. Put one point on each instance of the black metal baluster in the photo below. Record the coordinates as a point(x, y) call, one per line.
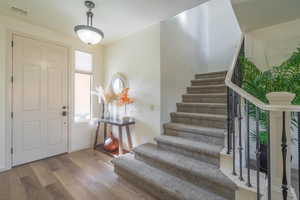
point(240, 137)
point(257, 153)
point(233, 134)
point(284, 152)
point(269, 158)
point(248, 144)
point(229, 120)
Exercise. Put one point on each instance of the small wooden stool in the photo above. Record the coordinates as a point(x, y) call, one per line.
point(120, 124)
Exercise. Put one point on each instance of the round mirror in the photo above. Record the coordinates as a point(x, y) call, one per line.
point(118, 86)
point(118, 83)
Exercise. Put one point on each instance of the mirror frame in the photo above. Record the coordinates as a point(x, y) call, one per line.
point(118, 76)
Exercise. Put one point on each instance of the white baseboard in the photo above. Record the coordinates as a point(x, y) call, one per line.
point(3, 169)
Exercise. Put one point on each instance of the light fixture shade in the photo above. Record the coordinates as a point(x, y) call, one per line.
point(88, 34)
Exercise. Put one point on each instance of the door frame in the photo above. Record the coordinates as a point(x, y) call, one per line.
point(9, 92)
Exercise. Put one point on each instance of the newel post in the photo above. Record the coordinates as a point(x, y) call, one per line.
point(280, 144)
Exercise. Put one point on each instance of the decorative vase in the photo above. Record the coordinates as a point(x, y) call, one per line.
point(106, 111)
point(114, 111)
point(125, 117)
point(111, 144)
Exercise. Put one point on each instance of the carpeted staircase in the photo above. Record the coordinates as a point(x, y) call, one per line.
point(184, 164)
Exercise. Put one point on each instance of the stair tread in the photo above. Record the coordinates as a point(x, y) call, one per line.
point(208, 79)
point(203, 104)
point(194, 146)
point(206, 95)
point(208, 86)
point(215, 132)
point(209, 73)
point(218, 116)
point(196, 167)
point(159, 179)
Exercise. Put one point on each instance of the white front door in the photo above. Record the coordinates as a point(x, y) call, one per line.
point(39, 100)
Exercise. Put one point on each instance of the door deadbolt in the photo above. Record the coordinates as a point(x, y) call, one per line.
point(64, 113)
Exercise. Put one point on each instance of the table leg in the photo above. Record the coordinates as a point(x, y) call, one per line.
point(96, 135)
point(105, 132)
point(129, 138)
point(120, 141)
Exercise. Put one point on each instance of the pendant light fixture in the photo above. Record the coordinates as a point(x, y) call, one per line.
point(87, 33)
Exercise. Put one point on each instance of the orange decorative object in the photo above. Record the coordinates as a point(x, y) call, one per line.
point(111, 144)
point(124, 99)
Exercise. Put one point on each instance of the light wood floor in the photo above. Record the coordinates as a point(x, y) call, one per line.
point(83, 175)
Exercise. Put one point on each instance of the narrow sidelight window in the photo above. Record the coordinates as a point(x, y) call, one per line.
point(83, 86)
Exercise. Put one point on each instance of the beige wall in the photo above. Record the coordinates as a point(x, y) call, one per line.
point(138, 58)
point(272, 45)
point(198, 40)
point(81, 134)
point(184, 52)
point(160, 61)
point(2, 100)
point(223, 34)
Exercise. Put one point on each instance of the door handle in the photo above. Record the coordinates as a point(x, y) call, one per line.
point(64, 113)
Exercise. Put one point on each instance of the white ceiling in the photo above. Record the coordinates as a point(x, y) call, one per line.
point(117, 18)
point(257, 14)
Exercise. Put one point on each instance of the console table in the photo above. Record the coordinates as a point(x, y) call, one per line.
point(120, 124)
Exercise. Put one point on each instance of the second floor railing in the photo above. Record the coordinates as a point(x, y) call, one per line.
point(240, 102)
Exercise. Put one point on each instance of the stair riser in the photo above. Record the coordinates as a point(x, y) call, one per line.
point(215, 75)
point(206, 90)
point(200, 99)
point(212, 123)
point(209, 82)
point(195, 137)
point(201, 109)
point(193, 154)
point(187, 176)
point(137, 181)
